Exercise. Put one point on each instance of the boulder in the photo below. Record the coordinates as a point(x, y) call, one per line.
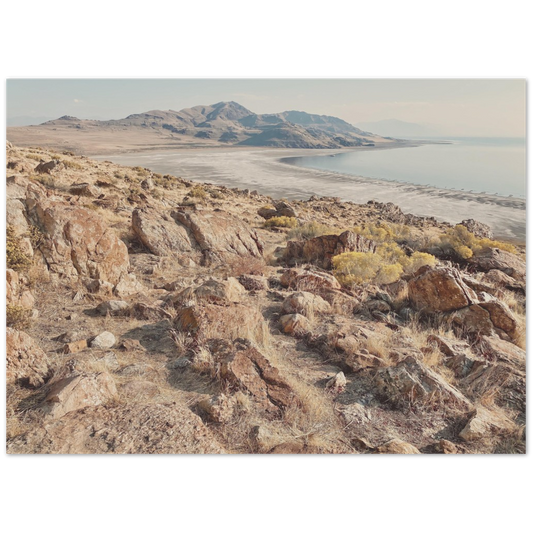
point(361, 361)
point(473, 320)
point(457, 355)
point(122, 429)
point(250, 371)
point(75, 346)
point(213, 233)
point(112, 307)
point(502, 280)
point(220, 291)
point(439, 289)
point(446, 447)
point(295, 324)
point(79, 391)
point(485, 424)
point(84, 189)
point(142, 311)
point(305, 303)
point(219, 235)
point(480, 230)
point(253, 283)
point(309, 280)
point(160, 233)
point(46, 168)
point(501, 316)
point(205, 321)
point(218, 409)
point(78, 243)
point(411, 381)
point(280, 209)
point(17, 293)
point(337, 382)
point(320, 250)
point(26, 363)
point(397, 446)
point(496, 259)
point(103, 340)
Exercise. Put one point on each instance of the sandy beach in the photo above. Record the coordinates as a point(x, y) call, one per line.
point(264, 171)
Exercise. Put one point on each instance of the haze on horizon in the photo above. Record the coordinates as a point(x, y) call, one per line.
point(454, 107)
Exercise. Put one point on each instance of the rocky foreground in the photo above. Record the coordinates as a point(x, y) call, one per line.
point(150, 314)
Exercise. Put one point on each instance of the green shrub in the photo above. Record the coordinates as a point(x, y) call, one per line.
point(15, 256)
point(466, 244)
point(281, 222)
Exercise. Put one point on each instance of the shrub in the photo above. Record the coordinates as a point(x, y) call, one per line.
point(15, 256)
point(310, 230)
point(385, 266)
point(281, 222)
point(198, 192)
point(465, 244)
point(18, 317)
point(72, 164)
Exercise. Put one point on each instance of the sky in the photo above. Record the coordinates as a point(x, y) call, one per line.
point(459, 107)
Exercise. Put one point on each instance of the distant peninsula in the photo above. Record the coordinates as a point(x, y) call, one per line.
point(221, 124)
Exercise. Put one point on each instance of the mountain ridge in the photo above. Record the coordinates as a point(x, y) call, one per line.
point(232, 123)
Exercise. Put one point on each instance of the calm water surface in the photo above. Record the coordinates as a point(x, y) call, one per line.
point(494, 166)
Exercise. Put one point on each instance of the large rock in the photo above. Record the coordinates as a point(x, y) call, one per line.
point(320, 250)
point(305, 303)
point(104, 340)
point(496, 259)
point(79, 391)
point(477, 228)
point(295, 324)
point(309, 280)
point(213, 233)
point(280, 209)
point(206, 321)
point(249, 370)
point(218, 234)
point(46, 168)
point(131, 429)
point(78, 243)
point(411, 381)
point(439, 290)
point(160, 233)
point(484, 424)
point(26, 364)
point(397, 446)
point(220, 291)
point(17, 293)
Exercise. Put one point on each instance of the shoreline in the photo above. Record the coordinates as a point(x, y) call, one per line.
point(262, 169)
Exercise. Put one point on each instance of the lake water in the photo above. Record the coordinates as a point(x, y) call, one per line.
point(494, 166)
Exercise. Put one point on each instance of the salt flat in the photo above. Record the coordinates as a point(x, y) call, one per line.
point(261, 169)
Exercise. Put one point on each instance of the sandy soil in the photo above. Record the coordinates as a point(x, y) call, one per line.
point(263, 170)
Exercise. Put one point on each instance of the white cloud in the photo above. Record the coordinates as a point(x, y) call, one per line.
point(76, 101)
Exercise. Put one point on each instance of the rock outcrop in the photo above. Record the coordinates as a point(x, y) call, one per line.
point(411, 381)
point(496, 259)
point(480, 230)
point(212, 233)
point(145, 429)
point(439, 289)
point(79, 391)
point(26, 364)
point(78, 243)
point(321, 250)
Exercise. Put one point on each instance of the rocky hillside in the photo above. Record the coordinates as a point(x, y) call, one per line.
point(151, 314)
point(224, 123)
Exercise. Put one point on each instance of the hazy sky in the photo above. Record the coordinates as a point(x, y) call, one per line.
point(456, 107)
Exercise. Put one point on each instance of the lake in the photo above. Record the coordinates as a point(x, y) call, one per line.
point(490, 165)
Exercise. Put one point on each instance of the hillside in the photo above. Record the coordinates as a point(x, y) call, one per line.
point(150, 314)
point(221, 124)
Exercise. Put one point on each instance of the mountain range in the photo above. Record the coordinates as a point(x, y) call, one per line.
point(231, 123)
